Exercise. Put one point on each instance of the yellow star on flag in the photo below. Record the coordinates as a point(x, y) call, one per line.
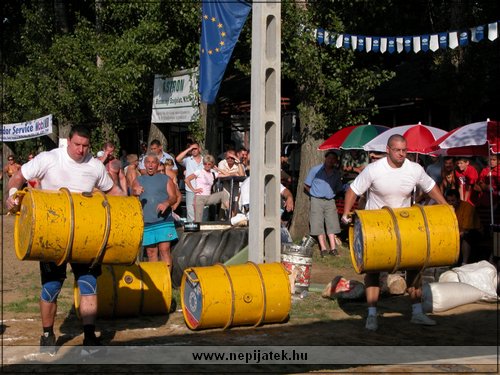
point(213, 19)
point(219, 25)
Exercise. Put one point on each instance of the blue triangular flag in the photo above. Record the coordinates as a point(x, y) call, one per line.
point(407, 42)
point(463, 38)
point(391, 44)
point(320, 36)
point(443, 40)
point(477, 33)
point(424, 40)
point(347, 41)
point(361, 43)
point(221, 25)
point(376, 44)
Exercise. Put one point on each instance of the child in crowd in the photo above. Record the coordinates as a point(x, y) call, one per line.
point(467, 177)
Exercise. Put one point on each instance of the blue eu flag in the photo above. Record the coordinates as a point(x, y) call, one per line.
point(221, 24)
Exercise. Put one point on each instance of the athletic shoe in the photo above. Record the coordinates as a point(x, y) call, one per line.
point(91, 346)
point(371, 323)
point(422, 319)
point(334, 252)
point(322, 253)
point(48, 344)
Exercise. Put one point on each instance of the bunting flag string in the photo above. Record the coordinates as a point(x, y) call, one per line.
point(417, 43)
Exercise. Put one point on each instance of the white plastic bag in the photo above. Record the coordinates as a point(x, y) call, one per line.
point(449, 277)
point(443, 296)
point(482, 275)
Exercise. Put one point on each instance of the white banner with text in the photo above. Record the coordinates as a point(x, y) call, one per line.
point(26, 130)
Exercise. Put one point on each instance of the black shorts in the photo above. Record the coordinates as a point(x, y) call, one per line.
point(49, 271)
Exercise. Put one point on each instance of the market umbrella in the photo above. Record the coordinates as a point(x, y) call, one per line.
point(418, 138)
point(479, 138)
point(352, 137)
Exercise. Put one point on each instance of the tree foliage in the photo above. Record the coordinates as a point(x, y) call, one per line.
point(58, 72)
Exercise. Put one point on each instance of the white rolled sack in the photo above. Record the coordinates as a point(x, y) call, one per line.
point(442, 296)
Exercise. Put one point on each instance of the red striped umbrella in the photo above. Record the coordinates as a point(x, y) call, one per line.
point(418, 138)
point(352, 137)
point(477, 138)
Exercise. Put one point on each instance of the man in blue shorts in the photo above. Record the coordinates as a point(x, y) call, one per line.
point(157, 194)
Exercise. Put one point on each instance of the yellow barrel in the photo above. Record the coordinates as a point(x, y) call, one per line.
point(245, 294)
point(59, 226)
point(137, 289)
point(404, 238)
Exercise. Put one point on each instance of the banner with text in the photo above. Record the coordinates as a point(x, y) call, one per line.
point(174, 98)
point(26, 130)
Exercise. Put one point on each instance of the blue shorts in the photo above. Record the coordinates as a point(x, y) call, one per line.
point(164, 231)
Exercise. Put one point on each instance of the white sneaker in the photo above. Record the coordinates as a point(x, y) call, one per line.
point(422, 319)
point(371, 323)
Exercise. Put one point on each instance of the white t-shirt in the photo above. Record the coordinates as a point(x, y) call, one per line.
point(56, 169)
point(392, 187)
point(245, 192)
point(164, 157)
point(191, 166)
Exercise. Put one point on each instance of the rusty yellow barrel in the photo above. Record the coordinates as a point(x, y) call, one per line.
point(127, 291)
point(404, 238)
point(224, 296)
point(59, 226)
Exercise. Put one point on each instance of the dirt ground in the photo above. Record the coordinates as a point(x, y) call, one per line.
point(473, 324)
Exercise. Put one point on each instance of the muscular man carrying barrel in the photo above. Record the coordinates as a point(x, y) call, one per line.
point(390, 182)
point(73, 168)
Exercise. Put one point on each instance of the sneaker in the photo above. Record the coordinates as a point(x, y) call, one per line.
point(91, 346)
point(371, 323)
point(334, 252)
point(422, 319)
point(48, 344)
point(322, 253)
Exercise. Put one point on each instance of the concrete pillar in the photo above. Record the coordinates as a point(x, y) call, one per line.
point(265, 133)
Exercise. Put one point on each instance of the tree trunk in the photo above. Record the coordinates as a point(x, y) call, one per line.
point(61, 16)
point(309, 157)
point(156, 133)
point(458, 9)
point(210, 129)
point(7, 149)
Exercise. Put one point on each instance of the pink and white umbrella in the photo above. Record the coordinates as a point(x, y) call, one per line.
point(418, 137)
point(478, 138)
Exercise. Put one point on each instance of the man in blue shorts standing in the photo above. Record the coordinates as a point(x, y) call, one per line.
point(157, 193)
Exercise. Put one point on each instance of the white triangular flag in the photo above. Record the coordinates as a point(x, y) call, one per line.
point(354, 42)
point(434, 43)
point(383, 45)
point(453, 39)
point(368, 43)
point(340, 41)
point(493, 31)
point(416, 44)
point(399, 44)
